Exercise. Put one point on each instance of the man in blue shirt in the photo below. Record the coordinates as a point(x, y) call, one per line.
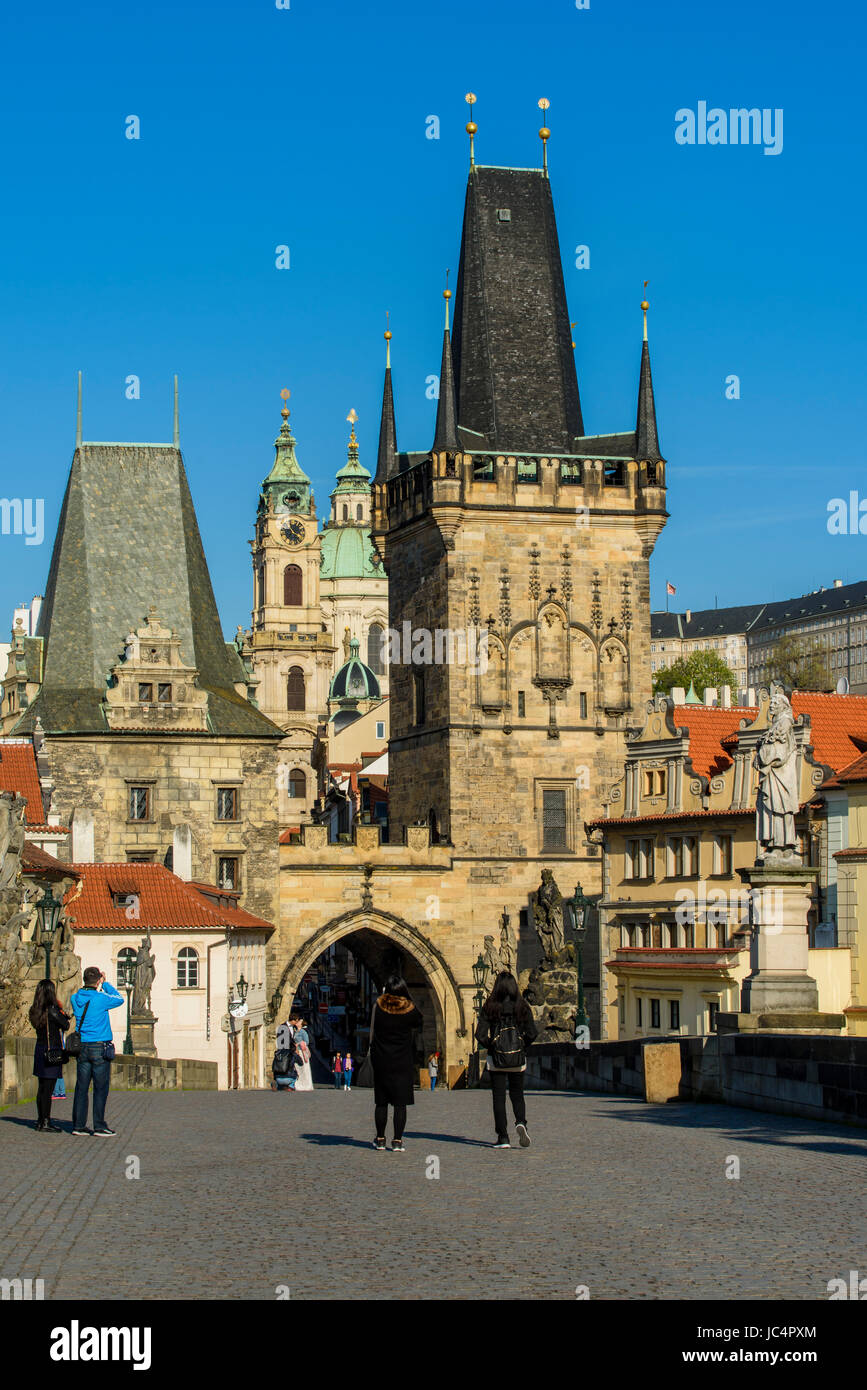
point(97, 998)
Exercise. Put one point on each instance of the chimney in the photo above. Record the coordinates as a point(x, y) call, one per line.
point(838, 583)
point(678, 695)
point(710, 695)
point(688, 614)
point(726, 697)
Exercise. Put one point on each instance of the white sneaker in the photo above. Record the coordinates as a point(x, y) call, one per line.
point(523, 1136)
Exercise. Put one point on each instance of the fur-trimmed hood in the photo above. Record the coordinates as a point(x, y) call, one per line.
point(395, 1004)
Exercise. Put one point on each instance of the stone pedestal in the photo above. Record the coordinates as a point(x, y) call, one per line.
point(779, 994)
point(142, 1030)
point(552, 992)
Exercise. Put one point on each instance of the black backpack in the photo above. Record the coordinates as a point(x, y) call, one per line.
point(506, 1048)
point(284, 1059)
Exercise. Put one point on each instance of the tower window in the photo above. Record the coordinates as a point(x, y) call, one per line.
point(139, 803)
point(297, 785)
point(345, 512)
point(227, 872)
point(227, 803)
point(359, 512)
point(295, 699)
point(554, 820)
point(582, 698)
point(522, 704)
point(374, 648)
point(292, 586)
point(418, 697)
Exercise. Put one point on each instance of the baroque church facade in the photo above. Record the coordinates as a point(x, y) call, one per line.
point(315, 593)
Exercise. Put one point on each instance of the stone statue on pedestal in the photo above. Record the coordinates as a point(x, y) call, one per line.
point(145, 973)
point(491, 959)
point(548, 916)
point(507, 944)
point(777, 801)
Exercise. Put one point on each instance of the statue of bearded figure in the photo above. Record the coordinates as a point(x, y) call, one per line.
point(777, 801)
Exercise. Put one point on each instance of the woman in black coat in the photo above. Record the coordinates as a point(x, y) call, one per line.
point(506, 1022)
point(395, 1018)
point(50, 1022)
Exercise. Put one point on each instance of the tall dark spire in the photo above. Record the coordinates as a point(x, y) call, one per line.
point(446, 435)
point(386, 458)
point(646, 437)
point(514, 368)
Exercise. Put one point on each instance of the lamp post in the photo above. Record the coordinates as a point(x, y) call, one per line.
point(580, 905)
point(127, 980)
point(48, 910)
point(242, 986)
point(480, 975)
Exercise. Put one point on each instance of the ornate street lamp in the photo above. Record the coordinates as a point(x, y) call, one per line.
point(242, 986)
point(127, 981)
point(48, 911)
point(580, 904)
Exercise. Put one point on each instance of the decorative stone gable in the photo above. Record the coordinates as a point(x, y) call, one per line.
point(151, 687)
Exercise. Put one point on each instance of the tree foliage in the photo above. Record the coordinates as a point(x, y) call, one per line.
point(791, 663)
point(701, 669)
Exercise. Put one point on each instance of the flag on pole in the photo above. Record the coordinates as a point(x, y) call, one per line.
point(670, 589)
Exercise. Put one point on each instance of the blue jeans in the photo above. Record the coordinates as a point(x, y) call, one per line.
point(91, 1067)
point(433, 1080)
point(347, 1080)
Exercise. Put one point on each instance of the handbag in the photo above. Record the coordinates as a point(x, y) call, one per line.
point(54, 1056)
point(73, 1040)
point(364, 1075)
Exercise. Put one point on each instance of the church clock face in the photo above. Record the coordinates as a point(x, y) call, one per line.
point(294, 531)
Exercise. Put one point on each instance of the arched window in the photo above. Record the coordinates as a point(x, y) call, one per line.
point(260, 576)
point(295, 689)
point(292, 586)
point(345, 512)
point(188, 968)
point(297, 785)
point(124, 955)
point(374, 648)
point(359, 512)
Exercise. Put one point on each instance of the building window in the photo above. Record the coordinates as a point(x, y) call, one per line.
point(139, 803)
point(293, 588)
point(522, 704)
point(674, 1013)
point(125, 954)
point(554, 820)
point(227, 872)
point(722, 854)
point(654, 782)
point(673, 935)
point(712, 1017)
point(380, 728)
point(681, 856)
point(227, 803)
point(638, 1011)
point(295, 699)
point(654, 1013)
point(645, 935)
point(139, 858)
point(374, 649)
point(164, 693)
point(639, 859)
point(627, 934)
point(345, 512)
point(145, 693)
point(418, 698)
point(188, 968)
point(359, 512)
point(297, 785)
point(582, 700)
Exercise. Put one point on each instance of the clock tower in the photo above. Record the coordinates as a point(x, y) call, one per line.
point(292, 651)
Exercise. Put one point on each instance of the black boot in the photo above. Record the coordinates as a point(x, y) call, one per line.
point(41, 1126)
point(53, 1129)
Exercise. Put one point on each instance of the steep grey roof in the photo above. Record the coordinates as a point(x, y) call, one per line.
point(446, 433)
point(646, 439)
point(707, 622)
point(837, 601)
point(128, 538)
point(386, 457)
point(513, 362)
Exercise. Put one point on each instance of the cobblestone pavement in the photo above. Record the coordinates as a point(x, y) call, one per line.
point(244, 1192)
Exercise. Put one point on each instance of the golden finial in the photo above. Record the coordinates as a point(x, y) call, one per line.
point(447, 294)
point(285, 394)
point(352, 417)
point(472, 128)
point(644, 308)
point(387, 336)
point(544, 134)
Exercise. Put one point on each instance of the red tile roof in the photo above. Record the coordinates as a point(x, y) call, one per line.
point(855, 772)
point(708, 726)
point(38, 861)
point(838, 726)
point(615, 821)
point(286, 835)
point(18, 774)
point(165, 902)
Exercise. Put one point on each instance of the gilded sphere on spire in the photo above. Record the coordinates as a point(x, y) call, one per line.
point(544, 133)
point(447, 294)
point(387, 335)
point(472, 128)
point(645, 306)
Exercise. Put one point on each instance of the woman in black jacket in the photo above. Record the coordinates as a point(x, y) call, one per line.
point(505, 1027)
point(50, 1023)
point(394, 1020)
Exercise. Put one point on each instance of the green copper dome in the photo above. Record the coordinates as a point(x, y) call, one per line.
point(287, 486)
point(354, 680)
point(347, 553)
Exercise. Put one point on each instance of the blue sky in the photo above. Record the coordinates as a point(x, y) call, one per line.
point(307, 127)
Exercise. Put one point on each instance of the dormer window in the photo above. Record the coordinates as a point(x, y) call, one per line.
point(654, 782)
point(145, 693)
point(164, 693)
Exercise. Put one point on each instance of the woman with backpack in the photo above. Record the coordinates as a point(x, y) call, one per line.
point(393, 1022)
point(50, 1023)
point(506, 1026)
